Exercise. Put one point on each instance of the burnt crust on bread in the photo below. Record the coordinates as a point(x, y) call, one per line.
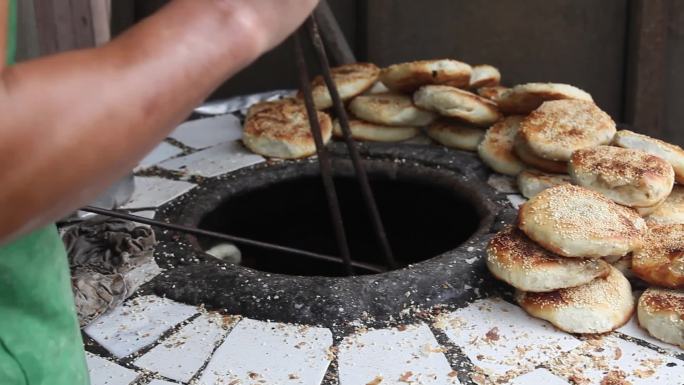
point(514, 258)
point(281, 130)
point(600, 306)
point(525, 98)
point(660, 261)
point(629, 177)
point(407, 77)
point(558, 128)
point(576, 222)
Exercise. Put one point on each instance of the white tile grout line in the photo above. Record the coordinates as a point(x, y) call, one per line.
point(257, 327)
point(270, 353)
point(394, 356)
point(104, 372)
point(137, 324)
point(180, 356)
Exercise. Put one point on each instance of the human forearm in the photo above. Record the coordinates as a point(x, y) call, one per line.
point(73, 123)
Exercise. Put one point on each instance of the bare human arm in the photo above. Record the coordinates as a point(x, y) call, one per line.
point(73, 123)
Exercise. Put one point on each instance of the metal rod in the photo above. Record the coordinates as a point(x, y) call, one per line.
point(361, 175)
point(323, 158)
point(229, 238)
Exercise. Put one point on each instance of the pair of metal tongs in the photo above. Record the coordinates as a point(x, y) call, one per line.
point(340, 50)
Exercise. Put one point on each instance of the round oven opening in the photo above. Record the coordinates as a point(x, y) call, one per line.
point(425, 214)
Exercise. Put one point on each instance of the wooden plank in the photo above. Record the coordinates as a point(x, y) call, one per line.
point(580, 42)
point(46, 25)
point(27, 36)
point(646, 64)
point(101, 16)
point(336, 43)
point(82, 24)
point(674, 95)
point(63, 25)
point(123, 15)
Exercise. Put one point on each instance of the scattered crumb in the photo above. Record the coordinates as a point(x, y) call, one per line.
point(375, 381)
point(618, 354)
point(615, 377)
point(406, 377)
point(492, 335)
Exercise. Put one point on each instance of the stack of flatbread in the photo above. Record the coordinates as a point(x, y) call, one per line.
point(384, 105)
point(603, 205)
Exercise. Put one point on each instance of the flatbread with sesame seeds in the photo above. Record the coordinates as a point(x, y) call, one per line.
point(629, 177)
point(457, 103)
point(390, 109)
point(372, 132)
point(670, 152)
point(455, 134)
point(576, 222)
point(660, 261)
point(281, 130)
point(600, 306)
point(522, 150)
point(648, 210)
point(492, 93)
point(532, 182)
point(350, 79)
point(671, 210)
point(377, 88)
point(558, 128)
point(624, 264)
point(515, 259)
point(408, 77)
point(496, 149)
point(661, 313)
point(484, 75)
point(257, 107)
point(525, 98)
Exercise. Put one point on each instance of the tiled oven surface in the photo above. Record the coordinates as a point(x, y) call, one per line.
point(153, 340)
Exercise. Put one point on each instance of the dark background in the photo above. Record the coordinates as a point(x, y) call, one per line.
point(626, 53)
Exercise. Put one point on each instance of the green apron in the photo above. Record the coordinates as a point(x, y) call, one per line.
point(40, 341)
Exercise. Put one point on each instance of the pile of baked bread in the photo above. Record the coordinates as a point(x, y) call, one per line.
point(603, 204)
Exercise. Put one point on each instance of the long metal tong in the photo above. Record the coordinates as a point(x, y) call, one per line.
point(309, 30)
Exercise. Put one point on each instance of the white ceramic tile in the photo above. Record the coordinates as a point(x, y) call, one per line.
point(395, 357)
point(105, 372)
point(596, 358)
point(501, 339)
point(207, 132)
point(162, 152)
point(503, 183)
point(516, 200)
point(241, 103)
point(161, 382)
point(136, 324)
point(214, 161)
point(633, 329)
point(181, 355)
point(143, 274)
point(155, 191)
point(270, 353)
point(539, 377)
point(149, 214)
